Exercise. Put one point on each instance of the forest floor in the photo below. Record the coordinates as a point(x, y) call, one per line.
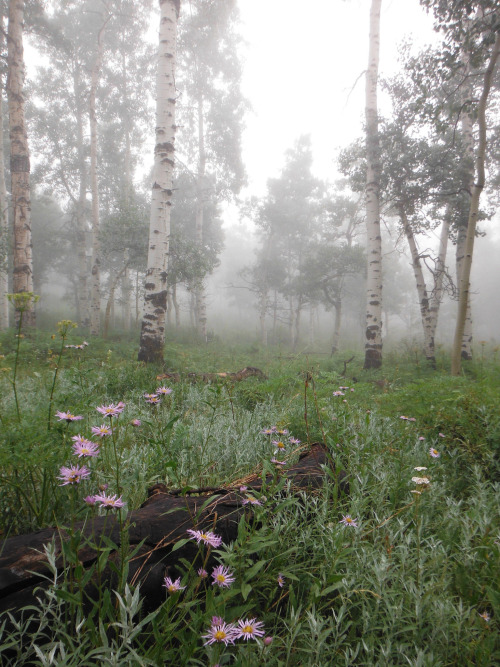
point(401, 570)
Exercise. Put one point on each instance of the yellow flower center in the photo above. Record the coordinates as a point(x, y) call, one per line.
point(85, 450)
point(172, 588)
point(248, 629)
point(204, 536)
point(348, 519)
point(72, 478)
point(280, 445)
point(221, 578)
point(220, 635)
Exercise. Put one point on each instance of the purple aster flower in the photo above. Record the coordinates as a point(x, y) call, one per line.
point(349, 521)
point(173, 586)
point(111, 410)
point(421, 438)
point(250, 500)
point(412, 419)
point(202, 573)
point(85, 448)
point(150, 396)
point(267, 641)
point(207, 538)
point(243, 488)
point(136, 422)
point(109, 502)
point(164, 391)
point(404, 417)
point(278, 463)
point(67, 416)
point(89, 500)
point(441, 435)
point(268, 431)
point(343, 388)
point(249, 628)
point(102, 431)
point(282, 431)
point(79, 439)
point(279, 444)
point(281, 580)
point(222, 577)
point(338, 393)
point(154, 400)
point(219, 633)
point(217, 620)
point(434, 453)
point(73, 475)
point(294, 441)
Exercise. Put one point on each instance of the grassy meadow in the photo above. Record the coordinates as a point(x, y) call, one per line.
point(402, 570)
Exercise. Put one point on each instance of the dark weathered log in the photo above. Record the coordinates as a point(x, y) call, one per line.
point(161, 522)
point(248, 371)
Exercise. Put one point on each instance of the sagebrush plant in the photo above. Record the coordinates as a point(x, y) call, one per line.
point(402, 570)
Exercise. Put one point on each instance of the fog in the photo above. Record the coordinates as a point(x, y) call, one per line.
point(268, 240)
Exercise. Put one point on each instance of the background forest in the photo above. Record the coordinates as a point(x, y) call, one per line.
point(236, 269)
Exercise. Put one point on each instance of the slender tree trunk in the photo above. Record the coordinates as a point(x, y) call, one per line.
point(263, 306)
point(155, 288)
point(201, 305)
point(19, 160)
point(337, 324)
point(311, 325)
point(373, 343)
point(423, 297)
point(83, 305)
point(298, 313)
point(176, 306)
point(464, 286)
point(109, 306)
point(437, 293)
point(95, 302)
point(4, 218)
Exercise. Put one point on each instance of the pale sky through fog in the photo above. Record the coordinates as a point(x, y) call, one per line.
point(302, 61)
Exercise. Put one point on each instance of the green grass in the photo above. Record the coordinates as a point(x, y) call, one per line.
point(405, 587)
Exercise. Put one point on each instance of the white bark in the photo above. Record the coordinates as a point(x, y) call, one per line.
point(201, 304)
point(19, 159)
point(4, 222)
point(464, 288)
point(439, 273)
point(155, 289)
point(373, 335)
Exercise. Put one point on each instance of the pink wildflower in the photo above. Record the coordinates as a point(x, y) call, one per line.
point(136, 422)
point(173, 586)
point(249, 629)
point(349, 521)
point(89, 500)
point(441, 435)
point(278, 463)
point(282, 431)
point(111, 410)
point(279, 444)
point(268, 431)
point(243, 488)
point(202, 573)
point(250, 500)
point(109, 502)
point(421, 438)
point(164, 391)
point(85, 448)
point(281, 580)
point(434, 453)
point(219, 633)
point(267, 641)
point(67, 416)
point(102, 431)
point(294, 441)
point(149, 396)
point(338, 393)
point(73, 475)
point(154, 400)
point(207, 538)
point(222, 577)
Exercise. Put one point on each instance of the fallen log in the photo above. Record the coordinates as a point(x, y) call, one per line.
point(159, 524)
point(248, 371)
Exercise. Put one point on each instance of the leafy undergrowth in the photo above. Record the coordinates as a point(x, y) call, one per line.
point(402, 571)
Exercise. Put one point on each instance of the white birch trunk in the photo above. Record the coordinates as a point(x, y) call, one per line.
point(464, 288)
point(155, 289)
point(373, 334)
point(423, 297)
point(263, 307)
point(4, 219)
point(19, 160)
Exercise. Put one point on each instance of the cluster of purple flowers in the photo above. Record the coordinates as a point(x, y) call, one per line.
point(280, 443)
point(155, 398)
point(221, 632)
point(82, 447)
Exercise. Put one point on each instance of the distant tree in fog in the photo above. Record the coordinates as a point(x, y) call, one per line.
point(152, 339)
point(4, 218)
point(211, 111)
